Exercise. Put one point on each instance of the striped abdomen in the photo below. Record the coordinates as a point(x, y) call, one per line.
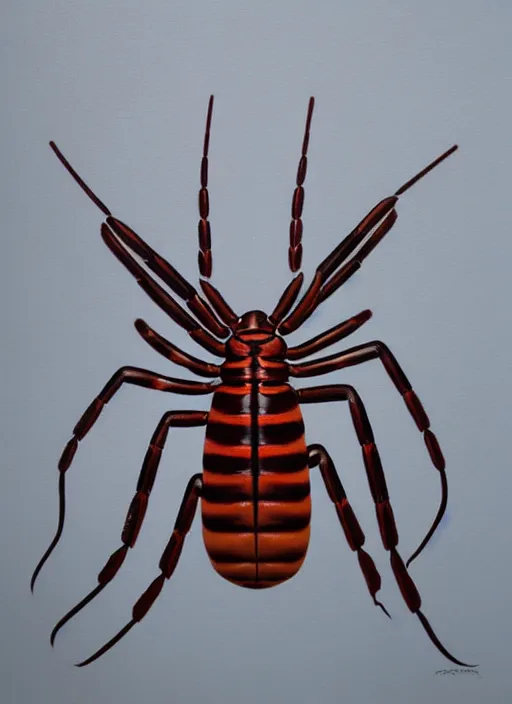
point(256, 503)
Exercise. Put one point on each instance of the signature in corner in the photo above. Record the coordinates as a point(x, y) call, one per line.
point(459, 671)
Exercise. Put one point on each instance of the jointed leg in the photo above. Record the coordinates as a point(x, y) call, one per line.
point(204, 230)
point(219, 304)
point(318, 456)
point(167, 564)
point(374, 226)
point(295, 248)
point(287, 299)
point(114, 234)
point(138, 506)
point(170, 351)
point(119, 237)
point(379, 491)
point(329, 337)
point(378, 350)
point(130, 375)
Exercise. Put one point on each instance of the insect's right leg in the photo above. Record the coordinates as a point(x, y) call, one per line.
point(318, 456)
point(329, 337)
point(167, 564)
point(129, 375)
point(137, 510)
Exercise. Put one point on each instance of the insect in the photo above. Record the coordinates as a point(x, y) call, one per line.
point(254, 487)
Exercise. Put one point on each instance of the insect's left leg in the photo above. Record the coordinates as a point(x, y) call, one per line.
point(378, 488)
point(167, 564)
point(378, 350)
point(138, 506)
point(319, 457)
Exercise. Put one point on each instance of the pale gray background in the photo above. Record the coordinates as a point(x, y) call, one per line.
point(123, 88)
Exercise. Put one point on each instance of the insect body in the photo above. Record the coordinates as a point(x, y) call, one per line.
point(255, 499)
point(254, 487)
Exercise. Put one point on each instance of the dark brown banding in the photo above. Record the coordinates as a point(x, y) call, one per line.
point(289, 493)
point(226, 494)
point(280, 434)
point(285, 524)
point(274, 404)
point(221, 552)
point(223, 524)
point(233, 403)
point(283, 464)
point(225, 464)
point(229, 434)
point(291, 554)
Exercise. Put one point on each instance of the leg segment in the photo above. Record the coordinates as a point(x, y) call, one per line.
point(318, 456)
point(379, 491)
point(374, 226)
point(138, 506)
point(329, 337)
point(115, 234)
point(167, 565)
point(295, 249)
point(204, 231)
point(378, 350)
point(130, 375)
point(288, 298)
point(118, 231)
point(219, 304)
point(170, 351)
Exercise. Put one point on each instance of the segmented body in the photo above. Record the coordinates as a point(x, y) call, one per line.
point(256, 505)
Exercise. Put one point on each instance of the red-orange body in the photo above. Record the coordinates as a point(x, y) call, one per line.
point(256, 504)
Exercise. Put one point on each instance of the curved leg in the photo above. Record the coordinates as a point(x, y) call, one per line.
point(318, 456)
point(378, 350)
point(129, 375)
point(167, 564)
point(138, 506)
point(379, 491)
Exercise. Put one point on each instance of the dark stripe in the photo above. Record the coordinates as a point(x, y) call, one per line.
point(225, 494)
point(286, 524)
point(231, 403)
point(281, 433)
point(225, 524)
point(283, 464)
point(227, 434)
point(285, 493)
point(277, 403)
point(226, 464)
point(224, 555)
point(288, 493)
point(291, 555)
point(220, 554)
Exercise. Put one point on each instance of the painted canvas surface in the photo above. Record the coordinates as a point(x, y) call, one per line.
point(122, 89)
